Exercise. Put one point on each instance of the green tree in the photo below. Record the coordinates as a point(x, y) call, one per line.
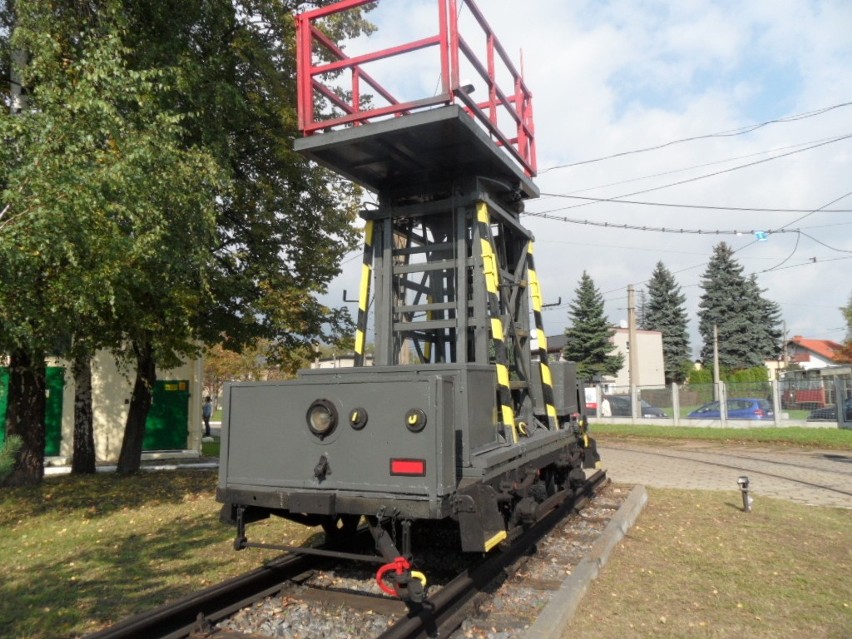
point(109, 214)
point(665, 312)
point(589, 338)
point(747, 323)
point(845, 353)
point(171, 97)
point(285, 223)
point(642, 311)
point(768, 320)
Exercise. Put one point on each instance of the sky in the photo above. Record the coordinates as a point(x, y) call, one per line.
point(744, 105)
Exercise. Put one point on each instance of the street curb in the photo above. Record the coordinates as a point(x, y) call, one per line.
point(551, 623)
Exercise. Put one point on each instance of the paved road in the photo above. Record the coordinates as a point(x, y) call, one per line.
point(816, 477)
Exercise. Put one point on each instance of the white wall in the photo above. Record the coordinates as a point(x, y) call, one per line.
point(111, 390)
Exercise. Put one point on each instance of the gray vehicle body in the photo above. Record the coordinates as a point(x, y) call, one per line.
point(270, 455)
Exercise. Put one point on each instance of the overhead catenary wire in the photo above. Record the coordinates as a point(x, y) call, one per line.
point(709, 207)
point(723, 134)
point(684, 169)
point(840, 138)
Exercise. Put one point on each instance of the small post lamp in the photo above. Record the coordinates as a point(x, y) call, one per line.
point(742, 481)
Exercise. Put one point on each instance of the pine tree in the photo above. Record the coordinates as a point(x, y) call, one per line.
point(589, 339)
point(665, 312)
point(767, 319)
point(642, 311)
point(747, 323)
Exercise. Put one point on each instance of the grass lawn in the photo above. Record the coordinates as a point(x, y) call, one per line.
point(80, 552)
point(695, 565)
point(833, 438)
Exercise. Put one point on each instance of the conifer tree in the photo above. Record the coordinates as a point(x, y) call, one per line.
point(747, 323)
point(767, 319)
point(665, 312)
point(589, 339)
point(642, 311)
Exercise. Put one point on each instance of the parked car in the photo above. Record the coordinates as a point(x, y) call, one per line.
point(830, 412)
point(620, 406)
point(738, 408)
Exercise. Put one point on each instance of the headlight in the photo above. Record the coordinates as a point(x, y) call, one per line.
point(415, 420)
point(322, 418)
point(358, 418)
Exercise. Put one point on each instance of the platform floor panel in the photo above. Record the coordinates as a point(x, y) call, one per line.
point(428, 147)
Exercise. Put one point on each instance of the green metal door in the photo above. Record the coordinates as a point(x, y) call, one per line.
point(52, 411)
point(168, 420)
point(55, 383)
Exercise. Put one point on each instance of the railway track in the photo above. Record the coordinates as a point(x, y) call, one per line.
point(200, 615)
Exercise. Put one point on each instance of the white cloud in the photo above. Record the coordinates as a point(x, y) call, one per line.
point(609, 77)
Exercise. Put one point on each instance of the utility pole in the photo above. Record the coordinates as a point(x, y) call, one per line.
point(716, 377)
point(633, 348)
point(633, 344)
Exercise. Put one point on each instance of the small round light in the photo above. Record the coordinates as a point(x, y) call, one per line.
point(322, 418)
point(415, 420)
point(358, 418)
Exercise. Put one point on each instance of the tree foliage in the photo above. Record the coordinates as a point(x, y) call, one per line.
point(151, 199)
point(589, 338)
point(665, 312)
point(8, 450)
point(284, 224)
point(747, 323)
point(109, 214)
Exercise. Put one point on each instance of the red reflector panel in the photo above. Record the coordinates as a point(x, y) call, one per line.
point(410, 467)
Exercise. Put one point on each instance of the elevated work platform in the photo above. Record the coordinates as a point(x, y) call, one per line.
point(429, 147)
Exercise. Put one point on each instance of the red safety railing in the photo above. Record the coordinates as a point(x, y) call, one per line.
point(507, 113)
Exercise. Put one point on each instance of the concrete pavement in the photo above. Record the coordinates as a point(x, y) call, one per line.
point(815, 477)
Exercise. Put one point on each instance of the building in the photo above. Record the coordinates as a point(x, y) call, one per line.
point(811, 353)
point(344, 360)
point(173, 427)
point(651, 371)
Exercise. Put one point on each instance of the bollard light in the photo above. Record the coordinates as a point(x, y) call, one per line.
point(742, 482)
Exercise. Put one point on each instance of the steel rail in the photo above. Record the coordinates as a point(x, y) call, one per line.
point(179, 619)
point(444, 612)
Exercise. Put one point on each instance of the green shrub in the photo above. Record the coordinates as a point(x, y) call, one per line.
point(705, 375)
point(7, 455)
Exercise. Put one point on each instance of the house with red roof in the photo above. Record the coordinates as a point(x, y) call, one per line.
point(812, 353)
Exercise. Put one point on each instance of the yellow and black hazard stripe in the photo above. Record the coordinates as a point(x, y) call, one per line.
point(364, 294)
point(491, 270)
point(546, 377)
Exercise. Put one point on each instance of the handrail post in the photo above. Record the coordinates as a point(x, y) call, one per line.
point(454, 45)
point(445, 45)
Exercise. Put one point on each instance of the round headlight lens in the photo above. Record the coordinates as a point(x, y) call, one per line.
point(322, 418)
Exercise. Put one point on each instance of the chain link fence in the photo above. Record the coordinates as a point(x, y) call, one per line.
point(812, 401)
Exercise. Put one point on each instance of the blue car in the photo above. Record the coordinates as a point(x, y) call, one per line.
point(738, 408)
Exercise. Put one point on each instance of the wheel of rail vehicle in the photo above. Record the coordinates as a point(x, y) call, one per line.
point(340, 527)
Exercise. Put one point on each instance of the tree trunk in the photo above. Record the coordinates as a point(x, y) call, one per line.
point(130, 458)
point(25, 416)
point(83, 459)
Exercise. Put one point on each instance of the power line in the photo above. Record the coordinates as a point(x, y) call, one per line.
point(693, 206)
point(722, 134)
point(657, 229)
point(708, 175)
point(690, 168)
point(800, 233)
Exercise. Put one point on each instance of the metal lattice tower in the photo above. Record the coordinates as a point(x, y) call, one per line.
point(447, 267)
